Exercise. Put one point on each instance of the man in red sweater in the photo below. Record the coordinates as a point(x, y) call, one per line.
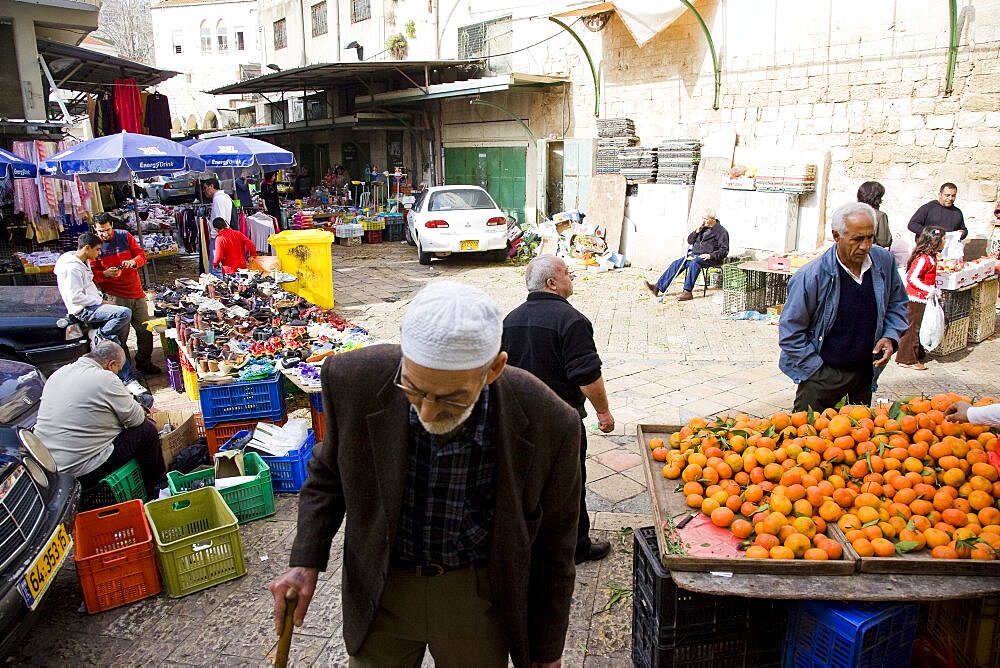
point(116, 273)
point(231, 248)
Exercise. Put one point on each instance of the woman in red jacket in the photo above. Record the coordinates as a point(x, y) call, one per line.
point(921, 280)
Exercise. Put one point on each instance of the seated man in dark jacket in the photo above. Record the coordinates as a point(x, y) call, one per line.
point(708, 246)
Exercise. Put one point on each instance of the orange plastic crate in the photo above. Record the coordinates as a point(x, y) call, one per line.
point(319, 423)
point(115, 557)
point(217, 436)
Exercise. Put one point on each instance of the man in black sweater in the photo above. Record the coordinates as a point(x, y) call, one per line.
point(549, 338)
point(941, 212)
point(708, 246)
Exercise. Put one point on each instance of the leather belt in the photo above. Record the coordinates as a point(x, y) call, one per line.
point(428, 570)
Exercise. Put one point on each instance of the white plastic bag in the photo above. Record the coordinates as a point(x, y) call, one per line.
point(932, 326)
point(954, 249)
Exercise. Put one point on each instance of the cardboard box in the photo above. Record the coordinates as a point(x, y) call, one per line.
point(184, 433)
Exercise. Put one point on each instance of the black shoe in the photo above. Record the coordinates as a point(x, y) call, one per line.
point(149, 369)
point(652, 289)
point(598, 550)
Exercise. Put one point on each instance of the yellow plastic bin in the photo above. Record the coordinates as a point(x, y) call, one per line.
point(307, 255)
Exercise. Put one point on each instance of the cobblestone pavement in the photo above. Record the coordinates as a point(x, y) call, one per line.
point(664, 362)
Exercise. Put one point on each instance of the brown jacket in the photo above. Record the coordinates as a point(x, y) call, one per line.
point(360, 470)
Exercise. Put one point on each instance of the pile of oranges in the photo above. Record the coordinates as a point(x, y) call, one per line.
point(896, 479)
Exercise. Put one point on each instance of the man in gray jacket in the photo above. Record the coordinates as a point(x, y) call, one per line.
point(92, 425)
point(844, 315)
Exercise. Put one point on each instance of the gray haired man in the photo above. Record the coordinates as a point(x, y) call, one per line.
point(708, 246)
point(844, 315)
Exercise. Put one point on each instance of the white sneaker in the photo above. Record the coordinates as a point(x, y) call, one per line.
point(135, 387)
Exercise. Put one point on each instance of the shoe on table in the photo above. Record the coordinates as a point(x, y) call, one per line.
point(597, 550)
point(652, 288)
point(685, 296)
point(149, 369)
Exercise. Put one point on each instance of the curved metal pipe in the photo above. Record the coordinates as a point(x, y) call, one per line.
point(711, 46)
point(508, 112)
point(593, 69)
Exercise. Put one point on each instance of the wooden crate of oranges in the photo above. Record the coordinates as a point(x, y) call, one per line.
point(895, 489)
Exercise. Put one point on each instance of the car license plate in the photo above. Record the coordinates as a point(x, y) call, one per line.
point(43, 571)
point(468, 245)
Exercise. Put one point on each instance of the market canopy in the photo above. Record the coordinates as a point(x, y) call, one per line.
point(15, 166)
point(242, 152)
point(323, 76)
point(643, 19)
point(117, 157)
point(79, 69)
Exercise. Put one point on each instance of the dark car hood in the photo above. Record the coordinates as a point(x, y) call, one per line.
point(31, 301)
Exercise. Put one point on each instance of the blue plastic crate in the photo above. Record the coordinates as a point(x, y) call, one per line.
point(837, 634)
point(260, 399)
point(288, 472)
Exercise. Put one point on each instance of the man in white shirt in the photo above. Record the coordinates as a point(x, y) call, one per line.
point(84, 301)
point(222, 204)
point(93, 425)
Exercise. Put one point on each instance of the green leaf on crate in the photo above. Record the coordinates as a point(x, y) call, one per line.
point(770, 432)
point(740, 432)
point(843, 402)
point(810, 416)
point(905, 546)
point(616, 593)
point(869, 524)
point(910, 526)
point(706, 545)
point(763, 509)
point(868, 459)
point(896, 409)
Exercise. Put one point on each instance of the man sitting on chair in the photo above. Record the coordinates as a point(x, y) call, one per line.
point(708, 246)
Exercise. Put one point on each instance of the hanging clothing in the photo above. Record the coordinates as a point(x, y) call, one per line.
point(26, 190)
point(128, 106)
point(261, 226)
point(158, 115)
point(104, 122)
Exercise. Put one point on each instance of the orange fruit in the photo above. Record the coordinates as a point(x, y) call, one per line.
point(983, 552)
point(741, 528)
point(863, 547)
point(709, 505)
point(936, 537)
point(722, 517)
point(954, 517)
point(979, 500)
point(815, 554)
point(781, 552)
point(672, 471)
point(660, 454)
point(766, 540)
point(883, 547)
point(832, 549)
point(693, 488)
point(840, 426)
point(757, 552)
point(694, 500)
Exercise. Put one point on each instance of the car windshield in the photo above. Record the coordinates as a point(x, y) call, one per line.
point(450, 200)
point(26, 299)
point(20, 389)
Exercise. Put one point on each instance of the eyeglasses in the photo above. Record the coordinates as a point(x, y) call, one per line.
point(417, 396)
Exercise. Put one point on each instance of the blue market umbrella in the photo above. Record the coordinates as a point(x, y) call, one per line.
point(15, 166)
point(188, 142)
point(121, 156)
point(244, 154)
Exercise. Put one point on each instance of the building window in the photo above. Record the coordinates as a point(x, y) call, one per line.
point(280, 36)
point(178, 40)
point(239, 39)
point(360, 10)
point(223, 36)
point(480, 40)
point(318, 12)
point(206, 38)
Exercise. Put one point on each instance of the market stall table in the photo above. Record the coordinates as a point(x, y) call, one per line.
point(753, 286)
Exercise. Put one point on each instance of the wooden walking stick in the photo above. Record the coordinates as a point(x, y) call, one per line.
point(285, 640)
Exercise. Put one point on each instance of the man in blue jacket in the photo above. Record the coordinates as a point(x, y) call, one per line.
point(844, 316)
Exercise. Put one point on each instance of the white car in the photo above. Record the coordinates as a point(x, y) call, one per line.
point(456, 219)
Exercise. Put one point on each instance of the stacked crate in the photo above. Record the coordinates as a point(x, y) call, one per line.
point(743, 290)
point(982, 310)
point(613, 135)
point(228, 409)
point(957, 305)
point(678, 161)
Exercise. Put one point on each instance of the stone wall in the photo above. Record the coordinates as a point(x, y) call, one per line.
point(864, 81)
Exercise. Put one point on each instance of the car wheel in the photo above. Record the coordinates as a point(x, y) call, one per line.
point(406, 233)
point(498, 255)
point(422, 257)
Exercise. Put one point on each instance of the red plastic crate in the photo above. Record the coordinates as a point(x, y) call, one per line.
point(373, 236)
point(217, 436)
point(115, 557)
point(319, 423)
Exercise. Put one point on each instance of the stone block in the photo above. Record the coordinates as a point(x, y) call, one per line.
point(840, 154)
point(970, 119)
point(981, 102)
point(922, 106)
point(989, 138)
point(803, 111)
point(984, 83)
point(822, 126)
point(987, 155)
point(911, 123)
point(940, 122)
point(865, 92)
point(984, 172)
point(966, 139)
point(923, 138)
point(930, 88)
point(992, 119)
point(959, 156)
point(942, 139)
point(905, 138)
point(840, 124)
point(863, 155)
point(839, 139)
point(949, 105)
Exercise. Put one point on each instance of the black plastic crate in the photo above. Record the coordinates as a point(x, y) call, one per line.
point(735, 301)
point(393, 232)
point(776, 289)
point(742, 280)
point(956, 303)
point(675, 627)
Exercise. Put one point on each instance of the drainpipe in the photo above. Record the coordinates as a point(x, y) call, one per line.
point(336, 28)
point(302, 19)
point(949, 83)
point(593, 70)
point(711, 46)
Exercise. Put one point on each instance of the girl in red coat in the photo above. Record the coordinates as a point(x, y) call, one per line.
point(921, 279)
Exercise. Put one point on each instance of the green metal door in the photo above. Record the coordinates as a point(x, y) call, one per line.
point(500, 170)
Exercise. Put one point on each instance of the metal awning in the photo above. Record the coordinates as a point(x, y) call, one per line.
point(509, 82)
point(323, 76)
point(83, 70)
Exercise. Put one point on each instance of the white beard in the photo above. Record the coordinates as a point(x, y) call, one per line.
point(443, 426)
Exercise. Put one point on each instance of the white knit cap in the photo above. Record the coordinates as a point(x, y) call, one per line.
point(451, 326)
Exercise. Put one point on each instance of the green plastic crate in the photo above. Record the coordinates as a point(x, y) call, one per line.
point(741, 280)
point(248, 501)
point(197, 541)
point(123, 484)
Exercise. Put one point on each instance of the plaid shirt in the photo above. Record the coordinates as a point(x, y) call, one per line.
point(450, 493)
